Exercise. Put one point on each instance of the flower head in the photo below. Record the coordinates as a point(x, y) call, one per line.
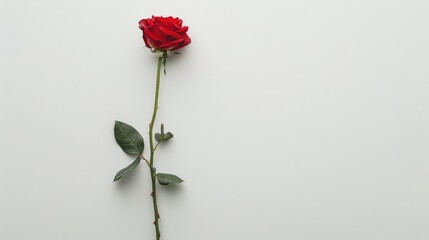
point(164, 33)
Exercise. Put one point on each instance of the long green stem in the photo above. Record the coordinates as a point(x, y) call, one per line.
point(152, 150)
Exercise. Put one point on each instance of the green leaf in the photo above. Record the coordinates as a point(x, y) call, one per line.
point(127, 169)
point(168, 136)
point(162, 128)
point(128, 138)
point(159, 137)
point(166, 178)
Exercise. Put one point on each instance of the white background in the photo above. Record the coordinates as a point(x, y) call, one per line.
point(292, 119)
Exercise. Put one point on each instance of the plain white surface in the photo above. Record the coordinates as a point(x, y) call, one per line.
point(292, 119)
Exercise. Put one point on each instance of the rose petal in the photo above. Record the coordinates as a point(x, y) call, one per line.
point(186, 41)
point(169, 25)
point(179, 23)
point(171, 45)
point(154, 44)
point(150, 35)
point(146, 42)
point(145, 23)
point(183, 29)
point(169, 33)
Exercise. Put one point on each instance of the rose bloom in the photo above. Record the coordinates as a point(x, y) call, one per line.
point(164, 33)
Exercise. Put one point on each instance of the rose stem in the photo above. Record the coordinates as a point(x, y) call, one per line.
point(152, 150)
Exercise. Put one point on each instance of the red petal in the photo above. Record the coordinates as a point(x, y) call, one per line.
point(146, 42)
point(145, 23)
point(154, 44)
point(150, 35)
point(171, 45)
point(186, 41)
point(169, 33)
point(183, 29)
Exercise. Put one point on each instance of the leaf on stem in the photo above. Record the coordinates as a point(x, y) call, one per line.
point(168, 136)
point(127, 169)
point(160, 137)
point(128, 138)
point(166, 178)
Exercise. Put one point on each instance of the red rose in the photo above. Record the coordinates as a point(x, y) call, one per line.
point(164, 33)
